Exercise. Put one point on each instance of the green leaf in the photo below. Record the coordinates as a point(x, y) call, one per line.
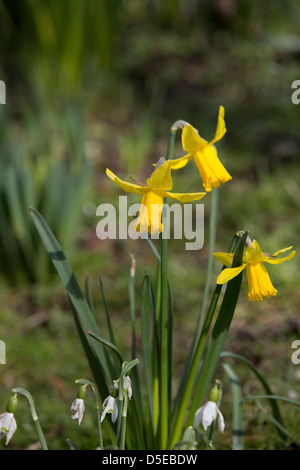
point(192, 363)
point(272, 397)
point(219, 333)
point(275, 409)
point(145, 312)
point(188, 441)
point(108, 344)
point(237, 411)
point(71, 445)
point(92, 358)
point(128, 366)
point(111, 334)
point(75, 294)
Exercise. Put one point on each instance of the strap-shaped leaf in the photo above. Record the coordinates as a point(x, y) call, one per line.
point(273, 403)
point(108, 344)
point(69, 280)
point(237, 411)
point(219, 333)
point(145, 312)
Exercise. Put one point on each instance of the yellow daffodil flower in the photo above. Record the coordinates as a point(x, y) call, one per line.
point(259, 282)
point(204, 153)
point(158, 186)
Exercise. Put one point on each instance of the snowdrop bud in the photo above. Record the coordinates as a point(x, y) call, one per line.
point(81, 392)
point(214, 394)
point(12, 404)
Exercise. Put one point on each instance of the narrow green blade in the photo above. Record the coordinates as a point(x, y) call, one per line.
point(75, 294)
point(145, 312)
point(219, 333)
point(275, 409)
point(237, 411)
point(91, 357)
point(108, 344)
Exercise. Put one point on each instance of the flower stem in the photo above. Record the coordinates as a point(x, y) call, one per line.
point(97, 408)
point(124, 421)
point(165, 360)
point(34, 415)
point(212, 241)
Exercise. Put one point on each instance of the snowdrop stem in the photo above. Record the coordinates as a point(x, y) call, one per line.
point(34, 415)
point(124, 420)
point(97, 407)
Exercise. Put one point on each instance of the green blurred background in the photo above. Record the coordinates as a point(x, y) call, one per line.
point(95, 84)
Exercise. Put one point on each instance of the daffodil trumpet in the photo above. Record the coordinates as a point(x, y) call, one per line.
point(254, 260)
point(158, 187)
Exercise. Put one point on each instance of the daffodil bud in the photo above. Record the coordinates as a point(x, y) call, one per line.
point(12, 404)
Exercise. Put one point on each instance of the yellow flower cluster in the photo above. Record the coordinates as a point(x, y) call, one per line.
point(160, 184)
point(213, 174)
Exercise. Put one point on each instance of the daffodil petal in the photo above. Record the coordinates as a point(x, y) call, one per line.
point(191, 140)
point(184, 197)
point(128, 187)
point(254, 254)
point(180, 162)
point(279, 260)
point(224, 258)
point(283, 250)
point(161, 177)
point(221, 128)
point(229, 273)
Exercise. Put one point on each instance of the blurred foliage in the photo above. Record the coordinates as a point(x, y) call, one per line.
point(98, 84)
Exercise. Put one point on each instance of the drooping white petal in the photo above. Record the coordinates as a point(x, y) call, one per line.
point(221, 422)
point(127, 386)
point(198, 417)
point(78, 408)
point(207, 414)
point(110, 406)
point(8, 426)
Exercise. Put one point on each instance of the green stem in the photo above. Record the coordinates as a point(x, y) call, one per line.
point(34, 415)
point(97, 408)
point(164, 348)
point(156, 350)
point(165, 360)
point(124, 421)
point(211, 249)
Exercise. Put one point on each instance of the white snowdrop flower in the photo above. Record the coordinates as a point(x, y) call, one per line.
point(8, 426)
point(78, 408)
point(207, 414)
point(126, 385)
point(110, 406)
